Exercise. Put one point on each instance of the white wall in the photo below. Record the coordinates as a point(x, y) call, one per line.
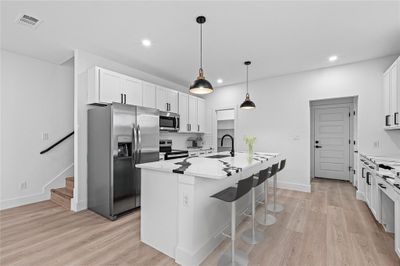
point(281, 121)
point(84, 61)
point(37, 97)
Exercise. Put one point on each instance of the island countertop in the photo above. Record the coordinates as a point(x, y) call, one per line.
point(209, 167)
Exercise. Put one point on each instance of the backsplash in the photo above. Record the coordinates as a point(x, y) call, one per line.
point(179, 139)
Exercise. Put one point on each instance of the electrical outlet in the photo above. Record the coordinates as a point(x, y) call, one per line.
point(23, 185)
point(185, 200)
point(45, 136)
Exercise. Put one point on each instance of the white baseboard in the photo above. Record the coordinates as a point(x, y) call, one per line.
point(44, 194)
point(77, 206)
point(294, 186)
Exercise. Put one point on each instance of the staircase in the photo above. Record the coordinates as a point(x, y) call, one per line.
point(62, 196)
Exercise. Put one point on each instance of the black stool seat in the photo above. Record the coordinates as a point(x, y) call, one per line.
point(231, 194)
point(228, 194)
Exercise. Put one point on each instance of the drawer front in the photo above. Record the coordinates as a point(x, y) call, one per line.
point(386, 188)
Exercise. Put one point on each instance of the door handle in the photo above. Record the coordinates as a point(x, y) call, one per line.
point(318, 147)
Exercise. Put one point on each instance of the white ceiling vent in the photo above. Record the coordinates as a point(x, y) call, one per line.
point(28, 21)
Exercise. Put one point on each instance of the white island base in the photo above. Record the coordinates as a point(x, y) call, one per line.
point(178, 217)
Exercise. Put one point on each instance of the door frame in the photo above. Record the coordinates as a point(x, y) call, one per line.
point(214, 125)
point(351, 103)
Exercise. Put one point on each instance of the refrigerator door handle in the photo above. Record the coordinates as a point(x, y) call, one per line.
point(139, 136)
point(134, 143)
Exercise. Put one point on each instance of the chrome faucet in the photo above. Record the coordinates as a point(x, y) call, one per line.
point(233, 144)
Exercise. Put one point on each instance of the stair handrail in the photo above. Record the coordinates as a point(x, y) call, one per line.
point(58, 142)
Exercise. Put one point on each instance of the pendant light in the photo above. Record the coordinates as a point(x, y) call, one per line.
point(247, 104)
point(201, 85)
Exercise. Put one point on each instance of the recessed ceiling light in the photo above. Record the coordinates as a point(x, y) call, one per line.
point(333, 58)
point(220, 81)
point(146, 42)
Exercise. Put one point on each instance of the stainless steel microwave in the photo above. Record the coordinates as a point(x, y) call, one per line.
point(169, 121)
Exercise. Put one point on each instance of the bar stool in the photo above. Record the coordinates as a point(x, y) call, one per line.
point(265, 218)
point(276, 207)
point(232, 194)
point(251, 235)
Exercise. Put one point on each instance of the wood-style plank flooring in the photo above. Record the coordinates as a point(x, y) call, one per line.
point(325, 227)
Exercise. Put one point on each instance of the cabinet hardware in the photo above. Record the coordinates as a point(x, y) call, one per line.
point(198, 128)
point(122, 98)
point(363, 172)
point(318, 147)
point(387, 123)
point(381, 185)
point(371, 167)
point(396, 118)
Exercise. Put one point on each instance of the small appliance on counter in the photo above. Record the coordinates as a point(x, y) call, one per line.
point(169, 153)
point(194, 142)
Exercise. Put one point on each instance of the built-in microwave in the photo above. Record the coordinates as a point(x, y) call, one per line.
point(169, 121)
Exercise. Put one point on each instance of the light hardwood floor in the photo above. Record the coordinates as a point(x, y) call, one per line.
point(325, 227)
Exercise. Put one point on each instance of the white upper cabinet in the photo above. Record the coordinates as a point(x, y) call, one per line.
point(193, 114)
point(133, 91)
point(149, 95)
point(167, 100)
point(105, 86)
point(183, 112)
point(201, 115)
point(391, 96)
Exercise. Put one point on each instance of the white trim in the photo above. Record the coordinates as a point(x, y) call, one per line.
point(43, 195)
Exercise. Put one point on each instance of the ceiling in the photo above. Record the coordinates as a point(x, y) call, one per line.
point(279, 37)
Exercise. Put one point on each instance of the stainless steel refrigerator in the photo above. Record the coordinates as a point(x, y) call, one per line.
point(119, 137)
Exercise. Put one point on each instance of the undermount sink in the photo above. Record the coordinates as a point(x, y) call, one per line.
point(218, 156)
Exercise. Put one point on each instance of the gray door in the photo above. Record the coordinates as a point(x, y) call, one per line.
point(332, 147)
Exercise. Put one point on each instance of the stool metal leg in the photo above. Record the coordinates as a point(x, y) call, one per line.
point(265, 218)
point(275, 207)
point(234, 257)
point(252, 235)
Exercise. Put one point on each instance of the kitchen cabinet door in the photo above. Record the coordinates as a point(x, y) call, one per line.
point(393, 95)
point(172, 100)
point(386, 99)
point(183, 112)
point(201, 115)
point(149, 95)
point(110, 87)
point(133, 91)
point(161, 98)
point(375, 202)
point(192, 114)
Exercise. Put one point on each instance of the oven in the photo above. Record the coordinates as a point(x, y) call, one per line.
point(169, 121)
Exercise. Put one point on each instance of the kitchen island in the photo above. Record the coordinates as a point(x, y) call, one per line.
point(178, 217)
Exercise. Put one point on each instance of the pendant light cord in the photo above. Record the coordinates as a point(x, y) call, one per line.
point(201, 46)
point(247, 79)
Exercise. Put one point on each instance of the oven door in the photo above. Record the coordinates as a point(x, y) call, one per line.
point(169, 123)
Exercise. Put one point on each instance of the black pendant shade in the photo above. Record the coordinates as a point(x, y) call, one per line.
point(201, 85)
point(247, 104)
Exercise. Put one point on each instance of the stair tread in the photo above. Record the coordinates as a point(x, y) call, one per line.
point(64, 192)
